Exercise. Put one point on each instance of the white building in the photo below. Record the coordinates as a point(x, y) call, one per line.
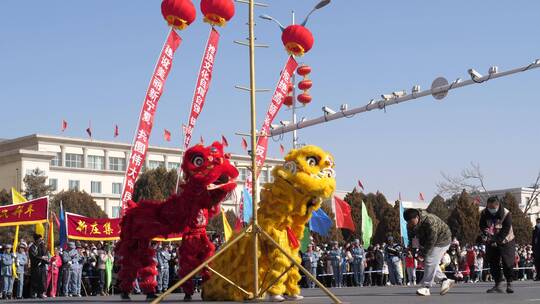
point(522, 196)
point(94, 166)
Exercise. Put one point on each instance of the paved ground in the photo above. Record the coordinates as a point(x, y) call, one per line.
point(526, 292)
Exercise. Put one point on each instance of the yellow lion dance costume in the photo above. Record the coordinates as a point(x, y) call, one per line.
point(305, 179)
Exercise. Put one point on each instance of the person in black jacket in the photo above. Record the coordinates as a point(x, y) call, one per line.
point(498, 234)
point(536, 248)
point(38, 266)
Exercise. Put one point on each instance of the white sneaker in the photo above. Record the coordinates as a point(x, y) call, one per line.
point(276, 298)
point(446, 285)
point(294, 298)
point(423, 292)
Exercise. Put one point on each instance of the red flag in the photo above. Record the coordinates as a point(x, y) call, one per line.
point(293, 241)
point(343, 214)
point(202, 141)
point(281, 149)
point(238, 224)
point(64, 125)
point(360, 185)
point(224, 141)
point(167, 135)
point(116, 131)
point(244, 144)
point(421, 196)
point(89, 132)
point(477, 200)
point(56, 220)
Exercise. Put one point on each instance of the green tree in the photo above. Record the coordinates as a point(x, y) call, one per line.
point(463, 220)
point(439, 207)
point(78, 202)
point(521, 223)
point(5, 197)
point(215, 224)
point(334, 234)
point(155, 184)
point(35, 184)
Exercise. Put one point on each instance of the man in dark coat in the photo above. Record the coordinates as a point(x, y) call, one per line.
point(536, 248)
point(38, 266)
point(498, 234)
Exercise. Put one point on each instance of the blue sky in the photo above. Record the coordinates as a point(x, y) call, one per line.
point(92, 60)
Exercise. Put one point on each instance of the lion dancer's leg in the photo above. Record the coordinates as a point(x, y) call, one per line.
point(148, 270)
point(129, 266)
point(195, 249)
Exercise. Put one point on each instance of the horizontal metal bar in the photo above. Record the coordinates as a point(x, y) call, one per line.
point(256, 3)
point(381, 104)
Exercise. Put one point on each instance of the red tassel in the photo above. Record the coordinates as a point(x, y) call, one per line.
point(293, 241)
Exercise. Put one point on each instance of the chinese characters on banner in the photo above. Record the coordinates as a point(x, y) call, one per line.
point(203, 84)
point(276, 103)
point(146, 117)
point(31, 212)
point(99, 229)
point(84, 228)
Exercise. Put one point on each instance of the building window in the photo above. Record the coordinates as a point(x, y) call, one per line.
point(57, 160)
point(117, 163)
point(173, 166)
point(242, 174)
point(95, 187)
point(154, 164)
point(74, 160)
point(117, 188)
point(74, 185)
point(96, 162)
point(53, 182)
point(115, 212)
point(264, 176)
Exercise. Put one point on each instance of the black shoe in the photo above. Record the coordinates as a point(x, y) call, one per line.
point(125, 296)
point(151, 296)
point(495, 289)
point(187, 298)
point(509, 288)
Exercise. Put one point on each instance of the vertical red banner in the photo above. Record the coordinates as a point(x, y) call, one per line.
point(203, 84)
point(146, 117)
point(275, 104)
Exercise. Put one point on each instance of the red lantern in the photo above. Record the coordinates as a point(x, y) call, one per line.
point(304, 98)
point(297, 39)
point(217, 12)
point(178, 13)
point(305, 84)
point(290, 88)
point(288, 101)
point(303, 70)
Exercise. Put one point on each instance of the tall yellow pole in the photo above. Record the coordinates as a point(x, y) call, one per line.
point(254, 169)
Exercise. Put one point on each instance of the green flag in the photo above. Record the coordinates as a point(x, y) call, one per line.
point(367, 226)
point(108, 273)
point(305, 239)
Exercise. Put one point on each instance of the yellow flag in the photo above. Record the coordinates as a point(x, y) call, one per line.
point(17, 199)
point(51, 238)
point(226, 227)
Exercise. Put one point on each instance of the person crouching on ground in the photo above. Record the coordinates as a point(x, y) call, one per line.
point(433, 236)
point(498, 234)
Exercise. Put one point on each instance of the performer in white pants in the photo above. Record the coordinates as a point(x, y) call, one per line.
point(433, 237)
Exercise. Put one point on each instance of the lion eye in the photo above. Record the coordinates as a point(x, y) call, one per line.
point(197, 160)
point(312, 161)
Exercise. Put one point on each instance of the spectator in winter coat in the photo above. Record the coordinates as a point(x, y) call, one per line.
point(410, 266)
point(7, 258)
point(536, 248)
point(52, 274)
point(498, 234)
point(21, 260)
point(38, 266)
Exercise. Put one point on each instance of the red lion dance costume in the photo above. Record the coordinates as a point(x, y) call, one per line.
point(208, 179)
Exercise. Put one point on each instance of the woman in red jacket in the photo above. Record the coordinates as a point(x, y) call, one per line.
point(52, 274)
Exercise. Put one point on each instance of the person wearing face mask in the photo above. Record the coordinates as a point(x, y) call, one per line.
point(536, 248)
point(498, 234)
point(433, 236)
point(335, 258)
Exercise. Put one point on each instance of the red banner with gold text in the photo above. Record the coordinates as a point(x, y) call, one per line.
point(275, 104)
point(146, 117)
point(203, 84)
point(31, 212)
point(80, 227)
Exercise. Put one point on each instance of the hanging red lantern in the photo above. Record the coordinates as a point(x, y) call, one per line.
point(297, 39)
point(288, 100)
point(303, 70)
point(290, 88)
point(304, 98)
point(217, 12)
point(178, 13)
point(305, 84)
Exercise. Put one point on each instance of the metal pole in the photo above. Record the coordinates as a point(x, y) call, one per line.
point(381, 104)
point(254, 169)
point(293, 79)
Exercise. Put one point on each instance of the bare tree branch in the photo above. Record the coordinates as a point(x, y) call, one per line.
point(471, 180)
point(534, 194)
